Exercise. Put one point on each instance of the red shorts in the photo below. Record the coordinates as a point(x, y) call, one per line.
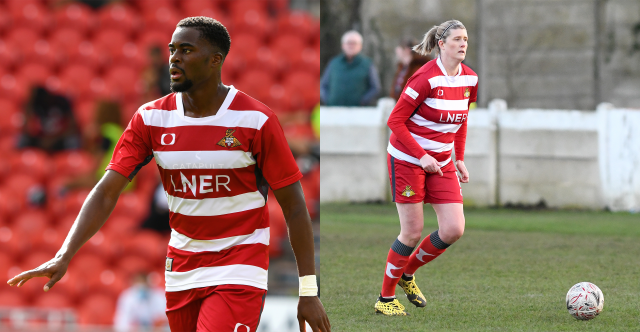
point(411, 184)
point(232, 308)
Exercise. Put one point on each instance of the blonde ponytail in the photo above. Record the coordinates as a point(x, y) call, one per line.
point(436, 33)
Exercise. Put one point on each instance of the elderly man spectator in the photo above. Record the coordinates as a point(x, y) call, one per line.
point(350, 79)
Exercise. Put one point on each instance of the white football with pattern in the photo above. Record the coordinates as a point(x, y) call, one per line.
point(585, 301)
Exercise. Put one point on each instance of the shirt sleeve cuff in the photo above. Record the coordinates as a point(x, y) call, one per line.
point(288, 181)
point(120, 170)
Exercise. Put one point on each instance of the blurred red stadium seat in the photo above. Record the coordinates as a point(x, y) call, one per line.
point(299, 23)
point(84, 109)
point(107, 281)
point(73, 201)
point(10, 204)
point(9, 55)
point(200, 8)
point(109, 43)
point(12, 297)
point(77, 16)
point(252, 20)
point(148, 244)
point(6, 258)
point(162, 18)
point(5, 19)
point(73, 80)
point(33, 162)
point(119, 16)
point(304, 89)
point(31, 14)
point(8, 124)
point(73, 163)
point(277, 228)
point(28, 223)
point(52, 300)
point(132, 264)
point(85, 264)
point(120, 225)
point(34, 73)
point(147, 5)
point(66, 41)
point(123, 83)
point(86, 53)
point(132, 204)
point(254, 82)
point(97, 309)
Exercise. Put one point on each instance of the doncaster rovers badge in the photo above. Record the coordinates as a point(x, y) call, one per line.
point(408, 192)
point(467, 93)
point(229, 141)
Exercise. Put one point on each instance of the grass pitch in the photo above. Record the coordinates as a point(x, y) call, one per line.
point(509, 272)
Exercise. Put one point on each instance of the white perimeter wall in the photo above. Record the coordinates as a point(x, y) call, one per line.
point(583, 159)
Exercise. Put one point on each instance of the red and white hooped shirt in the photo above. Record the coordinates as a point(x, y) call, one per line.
point(431, 114)
point(216, 172)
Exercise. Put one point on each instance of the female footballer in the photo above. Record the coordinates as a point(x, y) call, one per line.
point(427, 123)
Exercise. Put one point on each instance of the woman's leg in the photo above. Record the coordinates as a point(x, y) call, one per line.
point(451, 226)
point(411, 223)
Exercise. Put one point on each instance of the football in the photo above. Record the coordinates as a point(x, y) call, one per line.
point(585, 301)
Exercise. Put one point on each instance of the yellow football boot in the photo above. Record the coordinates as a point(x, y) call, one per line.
point(393, 308)
point(414, 295)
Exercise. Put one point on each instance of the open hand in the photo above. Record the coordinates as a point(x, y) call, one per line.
point(310, 310)
point(53, 269)
point(464, 174)
point(430, 164)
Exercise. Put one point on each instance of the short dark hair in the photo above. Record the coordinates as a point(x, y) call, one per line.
point(210, 29)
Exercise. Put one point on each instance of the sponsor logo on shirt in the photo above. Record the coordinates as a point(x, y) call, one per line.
point(205, 186)
point(168, 265)
point(168, 139)
point(452, 117)
point(248, 329)
point(228, 140)
point(411, 93)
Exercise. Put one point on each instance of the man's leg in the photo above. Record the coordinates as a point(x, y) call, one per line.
point(233, 308)
point(183, 309)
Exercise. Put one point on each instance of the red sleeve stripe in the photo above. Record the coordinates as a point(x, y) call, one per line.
point(215, 206)
point(219, 159)
point(185, 243)
point(216, 275)
point(252, 254)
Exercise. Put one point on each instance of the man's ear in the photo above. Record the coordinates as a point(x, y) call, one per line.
point(217, 59)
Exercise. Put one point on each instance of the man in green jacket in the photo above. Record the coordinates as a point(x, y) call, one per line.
point(350, 79)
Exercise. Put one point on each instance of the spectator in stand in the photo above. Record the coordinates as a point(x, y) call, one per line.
point(49, 123)
point(101, 139)
point(408, 63)
point(350, 79)
point(140, 307)
point(156, 77)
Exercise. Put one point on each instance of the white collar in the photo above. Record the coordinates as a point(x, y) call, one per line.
point(444, 71)
point(223, 108)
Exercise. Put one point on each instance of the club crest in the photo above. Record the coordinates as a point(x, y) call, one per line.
point(408, 192)
point(229, 141)
point(467, 93)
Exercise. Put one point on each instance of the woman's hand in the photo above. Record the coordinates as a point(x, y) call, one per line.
point(464, 174)
point(430, 164)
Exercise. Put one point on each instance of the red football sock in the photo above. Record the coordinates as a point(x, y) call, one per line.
point(430, 248)
point(396, 262)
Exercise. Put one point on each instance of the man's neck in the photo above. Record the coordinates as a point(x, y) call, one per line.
point(452, 66)
point(200, 102)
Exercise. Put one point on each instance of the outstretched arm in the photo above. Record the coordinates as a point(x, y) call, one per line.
point(291, 199)
point(95, 211)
